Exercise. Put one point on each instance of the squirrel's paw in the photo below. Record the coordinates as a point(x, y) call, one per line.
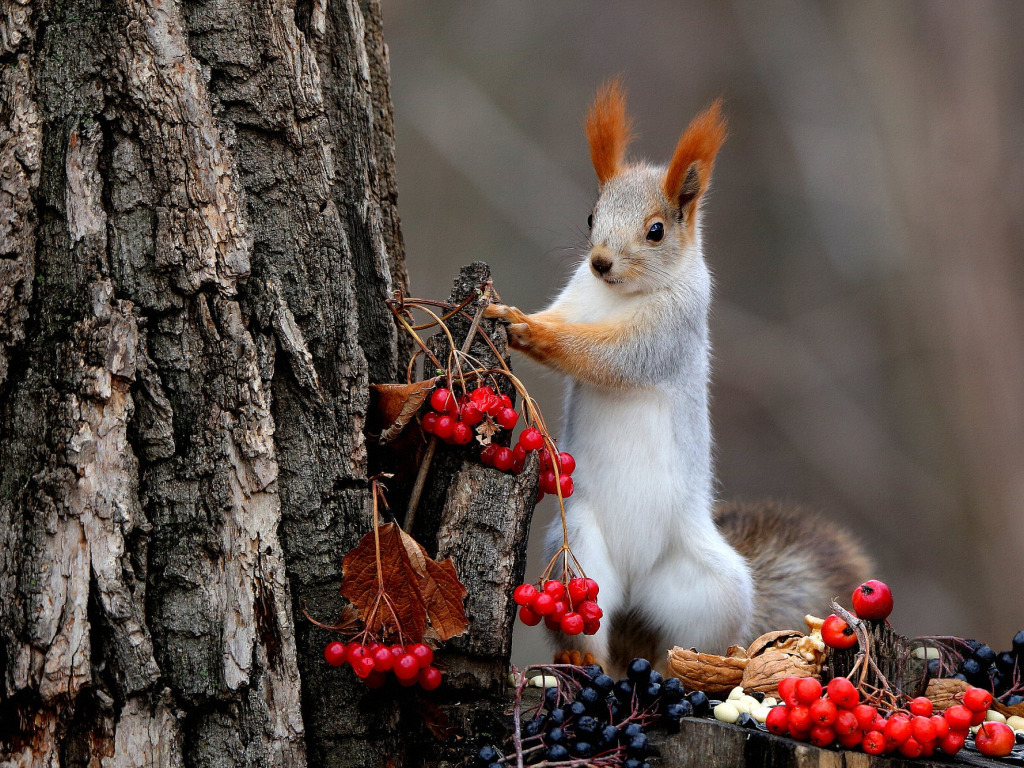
point(518, 335)
point(502, 312)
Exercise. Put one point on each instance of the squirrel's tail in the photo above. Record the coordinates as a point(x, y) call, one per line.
point(800, 561)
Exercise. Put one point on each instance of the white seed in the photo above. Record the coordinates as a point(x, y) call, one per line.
point(925, 652)
point(770, 701)
point(727, 712)
point(751, 701)
point(760, 713)
point(996, 716)
point(735, 693)
point(741, 705)
point(1016, 722)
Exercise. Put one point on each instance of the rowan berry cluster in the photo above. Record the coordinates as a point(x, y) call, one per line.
point(835, 713)
point(411, 665)
point(570, 608)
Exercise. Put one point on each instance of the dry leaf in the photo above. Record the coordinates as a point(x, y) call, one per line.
point(486, 431)
point(412, 589)
point(398, 403)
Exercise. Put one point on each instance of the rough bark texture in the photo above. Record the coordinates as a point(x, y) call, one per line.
point(197, 229)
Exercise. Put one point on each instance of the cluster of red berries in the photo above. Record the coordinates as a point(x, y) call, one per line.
point(836, 714)
point(872, 600)
point(453, 418)
point(411, 664)
point(548, 482)
point(568, 608)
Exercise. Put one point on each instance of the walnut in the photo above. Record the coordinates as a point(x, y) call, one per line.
point(706, 671)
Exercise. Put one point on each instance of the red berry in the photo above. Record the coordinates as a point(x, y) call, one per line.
point(555, 588)
point(910, 748)
point(481, 395)
point(503, 459)
point(407, 667)
point(566, 463)
point(397, 650)
point(565, 484)
point(445, 426)
point(897, 730)
point(577, 590)
point(471, 414)
point(561, 608)
point(592, 589)
point(952, 742)
point(808, 690)
point(873, 742)
point(443, 401)
point(799, 719)
point(363, 666)
point(941, 726)
point(334, 654)
point(528, 617)
point(850, 740)
point(572, 623)
point(589, 610)
point(836, 633)
point(823, 712)
point(383, 659)
point(872, 600)
point(518, 459)
point(422, 653)
point(543, 604)
point(878, 724)
point(487, 454)
point(554, 623)
point(922, 729)
point(429, 422)
point(548, 483)
point(977, 699)
point(822, 735)
point(375, 679)
point(922, 705)
point(507, 418)
point(494, 406)
point(959, 717)
point(462, 434)
point(842, 693)
point(787, 690)
point(506, 401)
point(545, 460)
point(353, 652)
point(590, 627)
point(429, 678)
point(865, 714)
point(777, 721)
point(845, 723)
point(524, 593)
point(531, 439)
point(994, 739)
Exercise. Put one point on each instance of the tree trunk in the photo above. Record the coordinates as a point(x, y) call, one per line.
point(197, 232)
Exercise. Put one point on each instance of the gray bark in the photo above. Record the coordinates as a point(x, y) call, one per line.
point(198, 229)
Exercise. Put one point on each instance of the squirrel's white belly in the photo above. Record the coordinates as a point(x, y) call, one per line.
point(637, 472)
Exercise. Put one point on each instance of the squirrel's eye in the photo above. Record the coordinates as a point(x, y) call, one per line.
point(590, 221)
point(656, 232)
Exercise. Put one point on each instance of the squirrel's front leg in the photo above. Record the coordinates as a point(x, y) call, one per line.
point(587, 351)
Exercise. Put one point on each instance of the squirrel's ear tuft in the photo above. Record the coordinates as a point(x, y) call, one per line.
point(689, 172)
point(608, 130)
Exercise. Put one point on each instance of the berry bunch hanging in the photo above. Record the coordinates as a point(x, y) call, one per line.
point(463, 406)
point(371, 662)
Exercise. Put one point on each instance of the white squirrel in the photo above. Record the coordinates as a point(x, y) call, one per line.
point(630, 330)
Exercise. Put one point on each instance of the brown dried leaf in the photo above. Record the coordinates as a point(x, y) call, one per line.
point(486, 431)
point(441, 590)
point(396, 602)
point(416, 588)
point(398, 403)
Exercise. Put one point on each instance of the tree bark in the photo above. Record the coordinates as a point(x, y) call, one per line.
point(198, 230)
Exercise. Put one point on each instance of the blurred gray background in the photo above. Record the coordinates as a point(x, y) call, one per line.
point(865, 229)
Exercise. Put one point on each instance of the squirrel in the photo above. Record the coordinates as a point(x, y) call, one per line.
point(630, 331)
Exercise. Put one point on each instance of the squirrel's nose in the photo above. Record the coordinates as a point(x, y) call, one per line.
point(600, 263)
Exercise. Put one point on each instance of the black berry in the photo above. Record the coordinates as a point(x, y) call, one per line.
point(639, 670)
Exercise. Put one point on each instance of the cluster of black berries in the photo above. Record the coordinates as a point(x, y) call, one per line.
point(606, 717)
point(1000, 673)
